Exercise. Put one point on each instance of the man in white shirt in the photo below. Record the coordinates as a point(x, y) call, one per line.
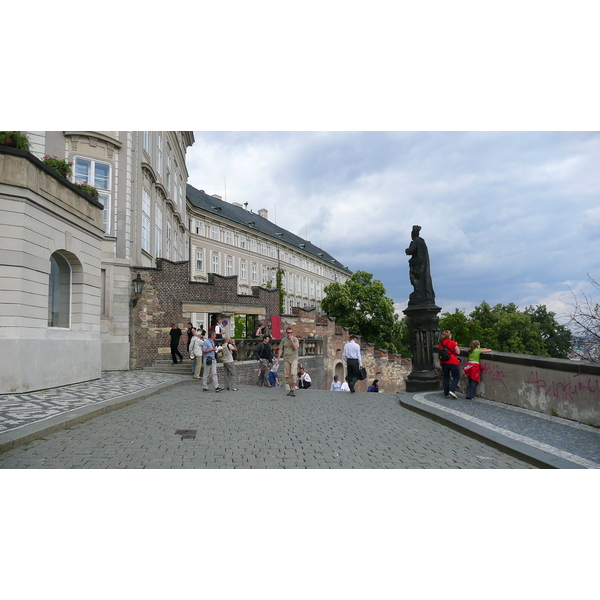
point(353, 361)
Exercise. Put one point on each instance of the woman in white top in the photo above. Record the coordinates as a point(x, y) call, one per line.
point(336, 385)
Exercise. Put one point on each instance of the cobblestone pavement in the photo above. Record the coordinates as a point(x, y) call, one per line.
point(259, 428)
point(19, 410)
point(572, 441)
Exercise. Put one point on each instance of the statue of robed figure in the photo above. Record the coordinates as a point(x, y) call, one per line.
point(422, 319)
point(420, 277)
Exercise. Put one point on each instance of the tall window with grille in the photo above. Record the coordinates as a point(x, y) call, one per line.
point(158, 231)
point(243, 242)
point(200, 260)
point(168, 171)
point(145, 220)
point(214, 232)
point(175, 244)
point(254, 273)
point(243, 270)
point(230, 266)
point(97, 174)
point(215, 263)
point(265, 275)
point(229, 237)
point(199, 227)
point(253, 245)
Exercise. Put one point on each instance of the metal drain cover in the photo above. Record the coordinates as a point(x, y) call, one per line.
point(187, 434)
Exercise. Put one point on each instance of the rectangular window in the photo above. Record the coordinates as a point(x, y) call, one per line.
point(168, 173)
point(304, 287)
point(243, 241)
point(273, 252)
point(214, 232)
point(159, 154)
point(312, 288)
point(145, 220)
point(243, 270)
point(175, 188)
point(291, 283)
point(254, 273)
point(265, 275)
point(158, 231)
point(148, 142)
point(97, 174)
point(199, 227)
point(215, 263)
point(263, 248)
point(230, 266)
point(199, 260)
point(229, 237)
point(253, 245)
point(175, 244)
point(168, 256)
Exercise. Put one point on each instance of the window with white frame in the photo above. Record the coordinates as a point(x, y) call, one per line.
point(98, 175)
point(273, 277)
point(304, 287)
point(168, 173)
point(312, 288)
point(291, 283)
point(159, 154)
point(145, 220)
point(215, 263)
point(175, 244)
point(214, 232)
point(229, 237)
point(273, 251)
point(230, 266)
point(297, 287)
point(200, 260)
point(254, 273)
point(168, 249)
point(175, 186)
point(242, 242)
point(148, 142)
point(243, 270)
point(263, 248)
point(199, 227)
point(265, 275)
point(157, 231)
point(253, 245)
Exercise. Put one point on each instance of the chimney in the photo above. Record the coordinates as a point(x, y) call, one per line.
point(264, 213)
point(217, 196)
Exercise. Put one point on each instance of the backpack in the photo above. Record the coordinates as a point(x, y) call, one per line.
point(444, 353)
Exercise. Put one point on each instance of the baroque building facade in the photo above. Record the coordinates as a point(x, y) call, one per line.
point(141, 178)
point(227, 239)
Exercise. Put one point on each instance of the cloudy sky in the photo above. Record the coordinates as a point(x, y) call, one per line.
point(508, 217)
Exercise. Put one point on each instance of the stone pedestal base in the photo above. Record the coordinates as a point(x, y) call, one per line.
point(423, 325)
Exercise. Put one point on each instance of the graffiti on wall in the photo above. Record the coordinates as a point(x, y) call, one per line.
point(561, 390)
point(493, 372)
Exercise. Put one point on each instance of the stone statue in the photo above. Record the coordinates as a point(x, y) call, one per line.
point(420, 277)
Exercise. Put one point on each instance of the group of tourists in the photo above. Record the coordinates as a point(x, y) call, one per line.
point(450, 364)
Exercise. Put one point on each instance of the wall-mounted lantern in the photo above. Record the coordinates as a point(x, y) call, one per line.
point(138, 287)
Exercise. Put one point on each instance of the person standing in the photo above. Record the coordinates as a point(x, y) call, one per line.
point(227, 350)
point(173, 339)
point(473, 368)
point(264, 354)
point(304, 380)
point(450, 366)
point(353, 361)
point(345, 387)
point(374, 387)
point(289, 348)
point(273, 376)
point(219, 329)
point(336, 385)
point(190, 333)
point(209, 351)
point(196, 350)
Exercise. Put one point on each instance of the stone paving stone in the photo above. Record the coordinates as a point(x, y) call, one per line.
point(244, 431)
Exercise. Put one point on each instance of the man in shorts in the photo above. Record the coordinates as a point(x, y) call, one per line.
point(289, 348)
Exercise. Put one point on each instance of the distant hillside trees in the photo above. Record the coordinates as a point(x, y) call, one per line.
point(505, 328)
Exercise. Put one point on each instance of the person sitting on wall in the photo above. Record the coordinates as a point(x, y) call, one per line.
point(374, 387)
point(304, 380)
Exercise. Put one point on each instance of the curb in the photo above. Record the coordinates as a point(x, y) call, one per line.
point(23, 435)
point(525, 452)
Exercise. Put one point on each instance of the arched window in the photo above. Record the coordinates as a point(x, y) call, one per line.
point(59, 296)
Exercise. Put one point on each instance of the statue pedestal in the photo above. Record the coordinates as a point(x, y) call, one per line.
point(423, 325)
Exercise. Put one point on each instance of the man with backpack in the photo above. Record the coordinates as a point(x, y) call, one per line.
point(264, 354)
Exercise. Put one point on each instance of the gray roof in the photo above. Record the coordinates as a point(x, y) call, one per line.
point(254, 222)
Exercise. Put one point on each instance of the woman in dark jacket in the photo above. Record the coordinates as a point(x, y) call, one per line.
point(374, 387)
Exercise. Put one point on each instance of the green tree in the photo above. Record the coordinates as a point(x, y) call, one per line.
point(460, 326)
point(360, 305)
point(557, 337)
